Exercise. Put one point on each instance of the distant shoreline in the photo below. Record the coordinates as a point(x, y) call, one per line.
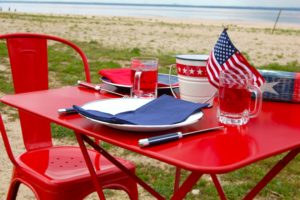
point(156, 5)
point(224, 22)
point(175, 11)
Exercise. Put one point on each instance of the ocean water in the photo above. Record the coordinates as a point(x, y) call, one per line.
point(251, 14)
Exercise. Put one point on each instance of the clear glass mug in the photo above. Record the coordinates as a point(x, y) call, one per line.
point(144, 75)
point(235, 91)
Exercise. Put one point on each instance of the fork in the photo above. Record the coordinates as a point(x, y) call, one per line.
point(66, 111)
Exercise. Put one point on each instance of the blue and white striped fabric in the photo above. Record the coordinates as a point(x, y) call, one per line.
point(281, 86)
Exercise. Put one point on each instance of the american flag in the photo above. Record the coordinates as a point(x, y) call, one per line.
point(225, 56)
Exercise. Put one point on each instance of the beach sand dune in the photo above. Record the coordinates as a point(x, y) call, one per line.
point(165, 35)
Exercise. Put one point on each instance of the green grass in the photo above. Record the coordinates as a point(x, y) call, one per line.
point(6, 85)
point(161, 181)
point(290, 67)
point(62, 132)
point(235, 184)
point(68, 68)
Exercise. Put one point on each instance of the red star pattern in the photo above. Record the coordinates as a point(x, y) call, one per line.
point(189, 70)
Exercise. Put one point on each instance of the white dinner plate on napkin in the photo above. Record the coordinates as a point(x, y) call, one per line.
point(114, 106)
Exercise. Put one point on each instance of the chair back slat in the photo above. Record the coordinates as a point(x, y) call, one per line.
point(36, 131)
point(29, 67)
point(29, 63)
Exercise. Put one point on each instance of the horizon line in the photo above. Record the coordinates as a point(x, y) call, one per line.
point(154, 5)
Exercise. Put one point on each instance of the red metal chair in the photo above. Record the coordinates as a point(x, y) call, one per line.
point(52, 172)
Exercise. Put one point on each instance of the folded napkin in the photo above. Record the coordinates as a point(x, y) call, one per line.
point(164, 110)
point(118, 76)
point(122, 76)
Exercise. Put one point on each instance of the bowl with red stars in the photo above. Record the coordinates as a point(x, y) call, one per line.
point(192, 77)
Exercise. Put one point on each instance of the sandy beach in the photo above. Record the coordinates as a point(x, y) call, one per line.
point(150, 35)
point(167, 35)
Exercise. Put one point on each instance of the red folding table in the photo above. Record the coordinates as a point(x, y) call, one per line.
point(274, 131)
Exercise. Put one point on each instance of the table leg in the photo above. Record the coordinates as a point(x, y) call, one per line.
point(272, 173)
point(218, 186)
point(120, 166)
point(177, 178)
point(186, 186)
point(90, 166)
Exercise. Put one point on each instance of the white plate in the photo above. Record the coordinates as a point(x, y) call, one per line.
point(114, 106)
point(162, 78)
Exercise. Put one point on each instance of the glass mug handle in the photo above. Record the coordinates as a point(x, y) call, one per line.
point(170, 82)
point(136, 88)
point(258, 100)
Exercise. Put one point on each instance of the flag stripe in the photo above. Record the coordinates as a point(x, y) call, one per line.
point(259, 78)
point(216, 64)
point(234, 66)
point(212, 73)
point(215, 69)
point(241, 65)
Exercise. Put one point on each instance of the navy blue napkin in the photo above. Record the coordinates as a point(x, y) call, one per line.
point(164, 110)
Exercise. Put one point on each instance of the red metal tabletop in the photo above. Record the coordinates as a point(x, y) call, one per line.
point(274, 131)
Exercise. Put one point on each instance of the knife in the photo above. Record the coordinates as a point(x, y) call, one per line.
point(98, 88)
point(172, 136)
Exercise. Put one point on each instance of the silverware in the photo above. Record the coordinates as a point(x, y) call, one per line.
point(99, 88)
point(172, 136)
point(66, 111)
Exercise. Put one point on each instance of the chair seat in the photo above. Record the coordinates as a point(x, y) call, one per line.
point(62, 165)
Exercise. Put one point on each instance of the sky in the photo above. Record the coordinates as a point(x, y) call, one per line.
point(260, 3)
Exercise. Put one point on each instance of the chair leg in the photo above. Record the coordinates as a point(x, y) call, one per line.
point(128, 185)
point(13, 189)
point(132, 190)
point(41, 193)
